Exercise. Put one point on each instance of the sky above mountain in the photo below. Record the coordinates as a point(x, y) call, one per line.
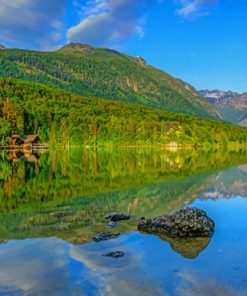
point(201, 41)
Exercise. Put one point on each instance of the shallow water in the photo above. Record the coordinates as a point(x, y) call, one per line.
point(51, 208)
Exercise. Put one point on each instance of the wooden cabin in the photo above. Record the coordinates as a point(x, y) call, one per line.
point(15, 140)
point(30, 142)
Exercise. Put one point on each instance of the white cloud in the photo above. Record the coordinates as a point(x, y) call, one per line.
point(194, 8)
point(40, 24)
point(106, 22)
point(30, 267)
point(31, 24)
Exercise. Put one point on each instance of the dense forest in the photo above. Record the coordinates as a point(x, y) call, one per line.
point(61, 118)
point(104, 73)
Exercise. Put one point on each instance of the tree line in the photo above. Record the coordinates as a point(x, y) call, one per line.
point(62, 118)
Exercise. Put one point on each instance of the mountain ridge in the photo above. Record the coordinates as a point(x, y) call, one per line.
point(105, 73)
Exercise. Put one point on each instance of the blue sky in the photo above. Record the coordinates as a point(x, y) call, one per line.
point(200, 41)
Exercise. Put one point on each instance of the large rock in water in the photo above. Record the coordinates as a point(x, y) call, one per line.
point(185, 223)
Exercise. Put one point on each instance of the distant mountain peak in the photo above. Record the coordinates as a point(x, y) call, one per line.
point(76, 47)
point(231, 105)
point(2, 47)
point(219, 96)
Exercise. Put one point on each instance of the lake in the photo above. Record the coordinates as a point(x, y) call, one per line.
point(53, 204)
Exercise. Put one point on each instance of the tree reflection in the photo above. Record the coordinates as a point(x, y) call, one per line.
point(66, 193)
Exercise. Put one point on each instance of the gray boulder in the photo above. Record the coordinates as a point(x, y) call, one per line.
point(188, 222)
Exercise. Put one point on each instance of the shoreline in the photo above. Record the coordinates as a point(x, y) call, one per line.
point(170, 147)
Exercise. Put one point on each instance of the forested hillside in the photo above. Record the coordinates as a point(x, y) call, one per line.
point(63, 118)
point(104, 73)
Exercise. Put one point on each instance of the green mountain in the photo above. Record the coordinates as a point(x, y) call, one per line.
point(104, 73)
point(64, 118)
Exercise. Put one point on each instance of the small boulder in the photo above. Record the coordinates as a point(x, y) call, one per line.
point(116, 216)
point(115, 254)
point(188, 222)
point(111, 224)
point(105, 236)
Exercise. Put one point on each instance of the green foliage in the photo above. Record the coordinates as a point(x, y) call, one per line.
point(5, 128)
point(66, 119)
point(103, 73)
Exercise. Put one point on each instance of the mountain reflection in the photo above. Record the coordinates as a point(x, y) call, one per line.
point(228, 184)
point(66, 193)
point(188, 247)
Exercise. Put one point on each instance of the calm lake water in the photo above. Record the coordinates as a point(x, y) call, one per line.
point(51, 206)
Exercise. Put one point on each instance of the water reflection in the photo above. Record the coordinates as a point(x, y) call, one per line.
point(65, 194)
point(228, 184)
point(188, 247)
point(27, 155)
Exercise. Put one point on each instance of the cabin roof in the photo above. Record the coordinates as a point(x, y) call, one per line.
point(15, 136)
point(31, 138)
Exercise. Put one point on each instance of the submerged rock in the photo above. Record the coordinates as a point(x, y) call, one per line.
point(105, 236)
point(189, 222)
point(116, 216)
point(115, 254)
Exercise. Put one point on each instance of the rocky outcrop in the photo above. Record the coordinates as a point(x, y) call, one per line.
point(140, 61)
point(116, 216)
point(186, 223)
